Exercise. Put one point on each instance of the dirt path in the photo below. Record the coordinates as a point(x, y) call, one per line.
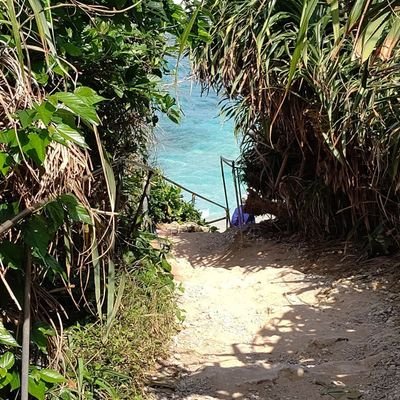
point(258, 327)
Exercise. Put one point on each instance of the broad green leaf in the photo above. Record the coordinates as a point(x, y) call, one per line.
point(70, 135)
point(37, 235)
point(6, 338)
point(51, 376)
point(40, 77)
point(76, 211)
point(26, 117)
point(55, 267)
point(166, 266)
point(36, 389)
point(40, 340)
point(35, 145)
point(78, 106)
point(15, 382)
point(65, 117)
point(61, 68)
point(5, 379)
point(12, 255)
point(174, 115)
point(44, 112)
point(7, 360)
point(5, 162)
point(72, 50)
point(8, 137)
point(40, 332)
point(88, 95)
point(55, 211)
point(45, 328)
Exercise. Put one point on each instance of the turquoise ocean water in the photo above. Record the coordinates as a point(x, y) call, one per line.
point(189, 153)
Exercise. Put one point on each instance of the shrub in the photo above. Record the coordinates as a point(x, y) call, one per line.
point(167, 204)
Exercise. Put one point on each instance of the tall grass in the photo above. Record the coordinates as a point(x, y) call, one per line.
point(314, 87)
point(140, 335)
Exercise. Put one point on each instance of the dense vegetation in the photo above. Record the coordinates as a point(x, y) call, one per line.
point(80, 89)
point(314, 90)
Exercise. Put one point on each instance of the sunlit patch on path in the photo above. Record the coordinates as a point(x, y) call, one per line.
point(257, 327)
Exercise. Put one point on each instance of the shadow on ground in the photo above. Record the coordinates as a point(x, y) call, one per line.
point(324, 336)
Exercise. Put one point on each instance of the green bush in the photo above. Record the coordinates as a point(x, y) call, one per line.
point(168, 205)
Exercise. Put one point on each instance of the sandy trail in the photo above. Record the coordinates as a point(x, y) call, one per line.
point(258, 327)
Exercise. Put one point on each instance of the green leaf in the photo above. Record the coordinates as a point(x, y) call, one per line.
point(40, 340)
point(110, 290)
point(370, 36)
point(65, 117)
point(5, 162)
point(96, 274)
point(36, 389)
point(26, 117)
point(44, 328)
point(174, 115)
point(55, 211)
point(12, 255)
point(39, 334)
point(72, 50)
point(88, 95)
point(78, 106)
point(6, 338)
point(356, 12)
point(391, 39)
point(7, 360)
point(75, 210)
point(44, 112)
point(51, 263)
point(9, 137)
point(334, 4)
point(51, 376)
point(40, 77)
point(34, 145)
point(166, 266)
point(308, 10)
point(37, 235)
point(5, 379)
point(15, 382)
point(116, 305)
point(70, 134)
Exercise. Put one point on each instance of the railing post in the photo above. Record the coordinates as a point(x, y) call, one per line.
point(238, 200)
point(228, 218)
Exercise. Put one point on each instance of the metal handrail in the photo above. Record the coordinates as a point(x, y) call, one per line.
point(236, 183)
point(193, 193)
